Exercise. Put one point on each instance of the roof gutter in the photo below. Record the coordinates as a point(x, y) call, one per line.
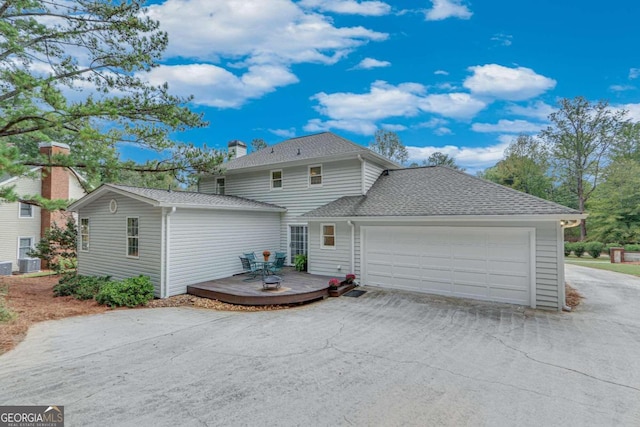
point(566, 218)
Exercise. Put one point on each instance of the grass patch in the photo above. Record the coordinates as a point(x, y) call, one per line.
point(600, 264)
point(5, 314)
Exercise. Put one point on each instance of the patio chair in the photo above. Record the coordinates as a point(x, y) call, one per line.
point(250, 268)
point(251, 256)
point(278, 265)
point(281, 255)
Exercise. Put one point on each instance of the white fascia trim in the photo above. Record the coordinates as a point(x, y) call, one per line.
point(104, 189)
point(221, 208)
point(452, 218)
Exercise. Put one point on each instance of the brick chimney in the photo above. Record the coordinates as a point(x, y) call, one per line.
point(55, 185)
point(237, 148)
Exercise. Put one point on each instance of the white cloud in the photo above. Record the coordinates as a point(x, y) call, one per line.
point(216, 87)
point(393, 127)
point(352, 7)
point(621, 88)
point(471, 158)
point(360, 111)
point(441, 73)
point(454, 105)
point(634, 73)
point(432, 123)
point(633, 111)
point(443, 9)
point(362, 127)
point(514, 84)
point(502, 39)
point(537, 110)
point(382, 101)
point(255, 32)
point(284, 133)
point(508, 126)
point(368, 63)
point(441, 131)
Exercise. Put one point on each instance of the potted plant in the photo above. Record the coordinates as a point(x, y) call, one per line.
point(348, 280)
point(266, 255)
point(300, 262)
point(333, 284)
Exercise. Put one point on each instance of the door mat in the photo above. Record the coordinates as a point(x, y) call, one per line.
point(355, 293)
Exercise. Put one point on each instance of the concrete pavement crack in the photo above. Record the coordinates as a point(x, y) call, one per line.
point(525, 354)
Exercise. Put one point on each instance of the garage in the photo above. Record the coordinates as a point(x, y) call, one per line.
point(487, 263)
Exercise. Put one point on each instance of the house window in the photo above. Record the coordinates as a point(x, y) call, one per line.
point(84, 234)
point(220, 186)
point(276, 180)
point(328, 236)
point(315, 175)
point(133, 240)
point(25, 244)
point(26, 210)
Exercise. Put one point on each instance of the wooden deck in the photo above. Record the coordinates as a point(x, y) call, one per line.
point(296, 288)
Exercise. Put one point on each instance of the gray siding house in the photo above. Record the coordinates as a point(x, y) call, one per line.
point(431, 229)
point(22, 224)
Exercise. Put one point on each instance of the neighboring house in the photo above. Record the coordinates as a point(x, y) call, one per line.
point(22, 225)
point(429, 229)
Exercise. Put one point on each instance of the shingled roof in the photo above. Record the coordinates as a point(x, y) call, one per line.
point(437, 191)
point(171, 198)
point(320, 145)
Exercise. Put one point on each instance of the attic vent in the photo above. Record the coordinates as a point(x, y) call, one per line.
point(298, 151)
point(272, 149)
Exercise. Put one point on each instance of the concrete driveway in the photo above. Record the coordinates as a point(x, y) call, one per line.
point(387, 358)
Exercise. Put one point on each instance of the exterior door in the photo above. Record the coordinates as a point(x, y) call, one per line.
point(298, 241)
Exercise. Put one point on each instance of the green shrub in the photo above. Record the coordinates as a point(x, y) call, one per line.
point(632, 248)
point(578, 249)
point(594, 249)
point(568, 247)
point(5, 314)
point(130, 292)
point(79, 287)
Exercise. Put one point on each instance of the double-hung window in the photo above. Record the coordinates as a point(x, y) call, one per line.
point(220, 186)
point(328, 238)
point(133, 237)
point(84, 234)
point(26, 210)
point(276, 179)
point(25, 244)
point(315, 175)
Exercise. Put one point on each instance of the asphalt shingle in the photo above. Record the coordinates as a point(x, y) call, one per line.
point(437, 191)
point(171, 198)
point(302, 148)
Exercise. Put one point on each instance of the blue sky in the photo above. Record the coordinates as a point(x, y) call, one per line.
point(454, 76)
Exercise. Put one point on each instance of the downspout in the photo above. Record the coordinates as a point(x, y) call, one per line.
point(353, 246)
point(362, 189)
point(167, 252)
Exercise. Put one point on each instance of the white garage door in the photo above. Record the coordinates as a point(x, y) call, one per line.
point(472, 262)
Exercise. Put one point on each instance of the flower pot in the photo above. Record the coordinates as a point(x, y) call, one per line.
point(339, 290)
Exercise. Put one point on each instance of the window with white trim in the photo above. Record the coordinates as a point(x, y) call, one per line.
point(26, 210)
point(276, 179)
point(220, 184)
point(328, 238)
point(315, 175)
point(25, 244)
point(133, 237)
point(84, 234)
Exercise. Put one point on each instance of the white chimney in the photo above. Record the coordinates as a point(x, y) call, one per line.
point(237, 149)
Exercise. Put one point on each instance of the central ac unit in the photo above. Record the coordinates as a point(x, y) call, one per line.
point(28, 265)
point(5, 268)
